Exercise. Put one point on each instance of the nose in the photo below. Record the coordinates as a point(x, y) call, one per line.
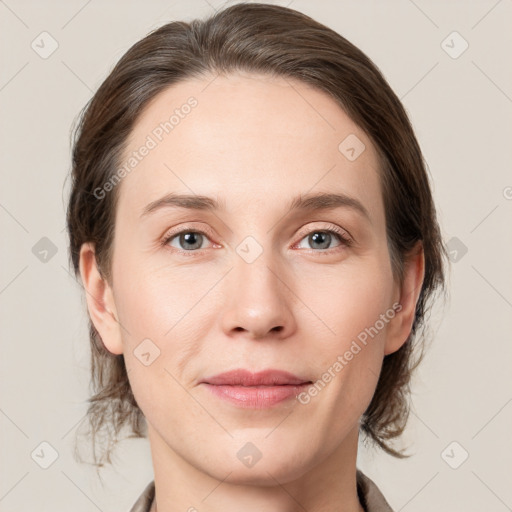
point(259, 300)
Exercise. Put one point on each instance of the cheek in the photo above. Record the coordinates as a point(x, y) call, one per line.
point(156, 301)
point(161, 327)
point(346, 301)
point(354, 308)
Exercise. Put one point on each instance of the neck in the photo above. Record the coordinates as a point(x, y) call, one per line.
point(329, 485)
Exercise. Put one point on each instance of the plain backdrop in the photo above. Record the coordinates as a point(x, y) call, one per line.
point(460, 102)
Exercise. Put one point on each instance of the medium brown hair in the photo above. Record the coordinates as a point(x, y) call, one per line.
point(279, 42)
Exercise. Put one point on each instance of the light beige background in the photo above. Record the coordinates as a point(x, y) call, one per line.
point(461, 109)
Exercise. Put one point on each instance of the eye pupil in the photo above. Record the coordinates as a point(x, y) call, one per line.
point(190, 238)
point(320, 238)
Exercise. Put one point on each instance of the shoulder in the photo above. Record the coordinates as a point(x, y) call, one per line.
point(144, 501)
point(370, 495)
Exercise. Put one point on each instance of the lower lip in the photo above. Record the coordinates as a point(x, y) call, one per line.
point(256, 397)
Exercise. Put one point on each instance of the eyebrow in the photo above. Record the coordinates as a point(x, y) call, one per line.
point(307, 202)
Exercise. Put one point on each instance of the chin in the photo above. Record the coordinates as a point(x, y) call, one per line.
point(251, 466)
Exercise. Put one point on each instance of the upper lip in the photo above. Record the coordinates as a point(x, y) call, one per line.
point(241, 377)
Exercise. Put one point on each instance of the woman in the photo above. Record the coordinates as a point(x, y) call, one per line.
point(253, 225)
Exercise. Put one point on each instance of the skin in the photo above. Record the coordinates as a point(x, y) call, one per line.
point(253, 142)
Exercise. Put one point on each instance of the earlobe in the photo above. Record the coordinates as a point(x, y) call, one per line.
point(414, 273)
point(100, 301)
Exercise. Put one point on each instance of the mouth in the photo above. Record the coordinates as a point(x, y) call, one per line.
point(256, 390)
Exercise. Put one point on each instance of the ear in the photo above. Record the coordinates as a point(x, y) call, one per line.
point(100, 301)
point(401, 325)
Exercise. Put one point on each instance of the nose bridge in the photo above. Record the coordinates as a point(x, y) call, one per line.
point(259, 300)
point(257, 272)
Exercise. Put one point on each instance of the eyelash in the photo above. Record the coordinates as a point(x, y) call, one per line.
point(342, 236)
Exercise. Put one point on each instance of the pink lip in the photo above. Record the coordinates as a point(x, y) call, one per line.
point(255, 390)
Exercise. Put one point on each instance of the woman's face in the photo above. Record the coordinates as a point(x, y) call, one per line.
point(257, 280)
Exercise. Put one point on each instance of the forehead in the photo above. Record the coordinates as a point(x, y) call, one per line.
point(251, 138)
